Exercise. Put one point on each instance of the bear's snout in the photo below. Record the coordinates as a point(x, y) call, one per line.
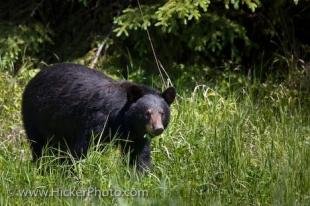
point(155, 126)
point(158, 131)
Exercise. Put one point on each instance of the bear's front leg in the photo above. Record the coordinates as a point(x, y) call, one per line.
point(139, 152)
point(80, 145)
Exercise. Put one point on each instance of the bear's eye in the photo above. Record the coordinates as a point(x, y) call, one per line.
point(161, 113)
point(148, 114)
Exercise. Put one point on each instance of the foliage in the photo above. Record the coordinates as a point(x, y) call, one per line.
point(181, 28)
point(18, 43)
point(168, 16)
point(218, 34)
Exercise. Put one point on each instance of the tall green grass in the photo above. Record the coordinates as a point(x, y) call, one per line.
point(225, 145)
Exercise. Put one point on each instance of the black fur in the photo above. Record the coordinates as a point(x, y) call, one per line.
point(65, 104)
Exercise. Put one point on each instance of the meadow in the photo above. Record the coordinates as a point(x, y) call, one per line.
point(229, 143)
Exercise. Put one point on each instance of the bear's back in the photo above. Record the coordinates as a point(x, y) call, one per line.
point(68, 94)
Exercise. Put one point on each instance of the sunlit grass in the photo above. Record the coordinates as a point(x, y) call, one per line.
point(237, 148)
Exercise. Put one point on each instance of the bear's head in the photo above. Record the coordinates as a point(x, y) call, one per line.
point(148, 112)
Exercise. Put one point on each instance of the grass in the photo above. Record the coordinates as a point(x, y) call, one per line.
point(224, 146)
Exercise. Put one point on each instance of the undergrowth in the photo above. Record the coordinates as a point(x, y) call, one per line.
point(232, 142)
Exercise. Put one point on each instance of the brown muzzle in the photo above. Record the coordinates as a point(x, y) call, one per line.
point(155, 126)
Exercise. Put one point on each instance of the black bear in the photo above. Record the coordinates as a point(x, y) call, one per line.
point(67, 104)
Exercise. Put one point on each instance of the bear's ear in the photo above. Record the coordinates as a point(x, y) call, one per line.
point(169, 95)
point(134, 92)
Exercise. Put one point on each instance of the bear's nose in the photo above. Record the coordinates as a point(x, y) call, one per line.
point(158, 130)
